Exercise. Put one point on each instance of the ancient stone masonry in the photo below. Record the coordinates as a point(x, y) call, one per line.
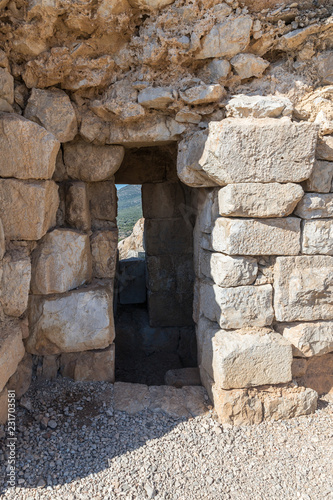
point(223, 111)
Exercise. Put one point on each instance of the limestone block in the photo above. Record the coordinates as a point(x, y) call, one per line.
point(308, 339)
point(83, 319)
point(103, 203)
point(104, 253)
point(257, 106)
point(236, 407)
point(21, 380)
point(90, 163)
point(218, 68)
point(27, 208)
point(317, 237)
point(15, 283)
point(284, 403)
point(235, 150)
point(248, 65)
point(6, 86)
point(61, 262)
point(315, 206)
point(2, 241)
point(256, 237)
point(324, 149)
point(259, 200)
point(3, 407)
point(303, 286)
point(53, 110)
point(203, 94)
point(186, 115)
point(156, 97)
point(298, 367)
point(319, 374)
point(18, 158)
point(11, 349)
point(183, 377)
point(226, 39)
point(77, 212)
point(93, 366)
point(321, 178)
point(248, 357)
point(168, 236)
point(132, 281)
point(206, 206)
point(237, 307)
point(163, 200)
point(227, 271)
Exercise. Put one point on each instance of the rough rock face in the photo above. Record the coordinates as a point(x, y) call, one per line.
point(11, 350)
point(16, 276)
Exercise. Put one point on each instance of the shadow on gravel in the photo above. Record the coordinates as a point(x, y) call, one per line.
point(69, 430)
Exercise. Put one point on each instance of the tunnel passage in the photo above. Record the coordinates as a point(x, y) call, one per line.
point(154, 288)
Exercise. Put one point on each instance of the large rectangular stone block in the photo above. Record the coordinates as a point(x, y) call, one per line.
point(247, 358)
point(315, 206)
point(257, 150)
point(11, 349)
point(132, 281)
point(321, 178)
point(18, 157)
point(93, 366)
point(163, 200)
point(79, 320)
point(257, 237)
point(104, 253)
point(317, 237)
point(168, 236)
point(308, 339)
point(103, 204)
point(28, 208)
point(259, 200)
point(303, 288)
point(77, 211)
point(238, 307)
point(228, 271)
point(15, 283)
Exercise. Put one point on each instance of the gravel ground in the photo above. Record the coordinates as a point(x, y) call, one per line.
point(72, 444)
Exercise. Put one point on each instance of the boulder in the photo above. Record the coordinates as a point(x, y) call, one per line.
point(259, 200)
point(27, 208)
point(218, 68)
point(227, 271)
point(258, 106)
point(317, 237)
point(303, 288)
point(237, 307)
point(15, 283)
point(92, 366)
point(89, 163)
point(133, 245)
point(256, 237)
point(21, 380)
point(308, 339)
point(53, 110)
point(248, 65)
point(11, 350)
point(315, 206)
point(156, 97)
point(324, 149)
point(19, 159)
point(104, 253)
point(321, 178)
point(77, 211)
point(61, 262)
point(226, 39)
point(92, 327)
point(203, 94)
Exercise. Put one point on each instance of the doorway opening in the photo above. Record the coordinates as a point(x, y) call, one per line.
point(155, 275)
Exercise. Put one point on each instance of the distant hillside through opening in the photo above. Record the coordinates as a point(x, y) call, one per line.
point(129, 208)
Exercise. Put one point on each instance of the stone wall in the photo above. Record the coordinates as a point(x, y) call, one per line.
point(92, 90)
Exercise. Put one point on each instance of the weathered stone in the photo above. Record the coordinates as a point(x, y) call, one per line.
point(257, 150)
point(18, 158)
point(325, 67)
point(315, 206)
point(227, 271)
point(163, 200)
point(3, 406)
point(2, 241)
point(303, 287)
point(319, 374)
point(321, 178)
point(203, 94)
point(93, 366)
point(104, 253)
point(162, 236)
point(257, 106)
point(89, 163)
point(156, 97)
point(107, 8)
point(132, 281)
point(93, 327)
point(61, 262)
point(186, 115)
point(218, 68)
point(237, 307)
point(259, 200)
point(150, 4)
point(189, 169)
point(53, 110)
point(248, 357)
point(248, 65)
point(308, 339)
point(236, 407)
point(103, 204)
point(298, 367)
point(15, 284)
point(21, 380)
point(289, 403)
point(183, 377)
point(324, 149)
point(50, 367)
point(11, 350)
point(317, 237)
point(226, 39)
point(6, 86)
point(133, 245)
point(256, 237)
point(77, 213)
point(27, 208)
